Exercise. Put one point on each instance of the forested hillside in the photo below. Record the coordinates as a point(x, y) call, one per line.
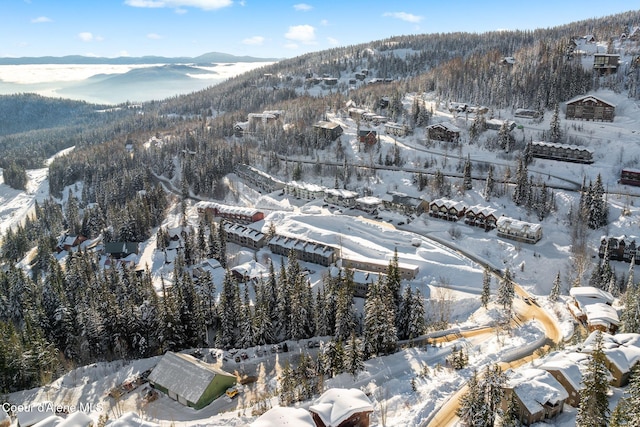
point(57, 317)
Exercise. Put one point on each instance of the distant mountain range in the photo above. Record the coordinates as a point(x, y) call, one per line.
point(207, 58)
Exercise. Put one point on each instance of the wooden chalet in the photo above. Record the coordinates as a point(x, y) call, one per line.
point(538, 395)
point(188, 380)
point(567, 368)
point(447, 209)
point(67, 243)
point(338, 407)
point(397, 129)
point(404, 204)
point(328, 130)
point(481, 216)
point(589, 107)
point(619, 249)
point(443, 132)
point(356, 113)
point(561, 152)
point(118, 250)
point(606, 63)
point(367, 136)
point(520, 231)
point(280, 416)
point(622, 353)
point(496, 124)
point(592, 307)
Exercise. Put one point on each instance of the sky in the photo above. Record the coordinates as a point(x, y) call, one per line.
point(261, 28)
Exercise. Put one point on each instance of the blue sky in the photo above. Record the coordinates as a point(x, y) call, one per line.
point(263, 28)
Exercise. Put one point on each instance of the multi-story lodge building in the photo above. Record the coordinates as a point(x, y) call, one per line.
point(589, 107)
point(258, 179)
point(622, 248)
point(562, 152)
point(232, 213)
point(244, 236)
point(305, 250)
point(520, 231)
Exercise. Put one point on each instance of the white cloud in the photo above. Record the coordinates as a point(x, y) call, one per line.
point(302, 7)
point(89, 37)
point(255, 40)
point(154, 36)
point(404, 16)
point(332, 41)
point(124, 53)
point(324, 22)
point(179, 4)
point(40, 20)
point(305, 34)
point(292, 46)
point(85, 37)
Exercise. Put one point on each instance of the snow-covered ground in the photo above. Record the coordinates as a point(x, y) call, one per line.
point(443, 272)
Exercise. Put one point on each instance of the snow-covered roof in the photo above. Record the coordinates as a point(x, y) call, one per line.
point(51, 421)
point(570, 364)
point(131, 419)
point(185, 375)
point(327, 125)
point(514, 224)
point(601, 314)
point(564, 146)
point(479, 209)
point(227, 209)
point(586, 98)
point(536, 387)
point(242, 230)
point(623, 350)
point(338, 404)
point(251, 269)
point(283, 417)
point(339, 192)
point(459, 206)
point(306, 186)
point(591, 292)
point(369, 200)
point(446, 125)
point(77, 419)
point(35, 413)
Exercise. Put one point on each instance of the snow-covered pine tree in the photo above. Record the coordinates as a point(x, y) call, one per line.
point(594, 404)
point(467, 182)
point(472, 403)
point(354, 361)
point(554, 295)
point(555, 130)
point(506, 291)
point(486, 287)
point(488, 185)
point(417, 323)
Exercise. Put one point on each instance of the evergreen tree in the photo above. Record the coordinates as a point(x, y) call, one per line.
point(521, 191)
point(380, 335)
point(486, 287)
point(488, 185)
point(472, 403)
point(555, 130)
point(417, 323)
point(354, 361)
point(594, 405)
point(506, 291)
point(345, 309)
point(467, 182)
point(554, 295)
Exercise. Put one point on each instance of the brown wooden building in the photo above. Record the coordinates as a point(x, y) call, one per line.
point(443, 132)
point(589, 107)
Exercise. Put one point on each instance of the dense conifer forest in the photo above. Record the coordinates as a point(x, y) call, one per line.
point(61, 316)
